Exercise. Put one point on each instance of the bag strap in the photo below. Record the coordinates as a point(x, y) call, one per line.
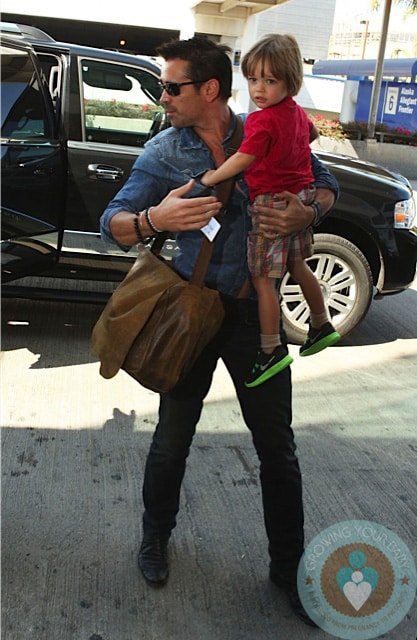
point(224, 192)
point(158, 242)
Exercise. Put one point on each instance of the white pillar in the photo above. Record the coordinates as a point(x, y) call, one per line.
point(187, 23)
point(349, 100)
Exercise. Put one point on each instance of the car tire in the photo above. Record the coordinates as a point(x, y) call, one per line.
point(346, 281)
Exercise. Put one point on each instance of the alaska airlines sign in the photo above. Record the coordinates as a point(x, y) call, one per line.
point(397, 104)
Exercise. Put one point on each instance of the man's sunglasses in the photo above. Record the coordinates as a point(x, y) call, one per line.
point(174, 88)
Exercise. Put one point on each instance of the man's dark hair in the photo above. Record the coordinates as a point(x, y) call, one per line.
point(206, 60)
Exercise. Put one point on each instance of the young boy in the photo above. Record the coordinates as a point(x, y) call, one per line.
point(275, 155)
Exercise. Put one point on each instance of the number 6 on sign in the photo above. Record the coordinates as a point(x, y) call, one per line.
point(391, 100)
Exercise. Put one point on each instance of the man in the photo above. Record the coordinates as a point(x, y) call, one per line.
point(163, 193)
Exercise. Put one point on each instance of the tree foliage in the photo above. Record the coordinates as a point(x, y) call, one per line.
point(409, 5)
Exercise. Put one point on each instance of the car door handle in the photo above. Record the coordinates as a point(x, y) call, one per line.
point(41, 171)
point(104, 172)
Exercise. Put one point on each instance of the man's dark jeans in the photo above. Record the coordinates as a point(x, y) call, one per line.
point(267, 412)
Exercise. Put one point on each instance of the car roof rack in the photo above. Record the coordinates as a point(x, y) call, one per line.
point(25, 31)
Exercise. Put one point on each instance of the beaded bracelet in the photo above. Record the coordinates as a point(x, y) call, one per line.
point(318, 211)
point(137, 229)
point(149, 220)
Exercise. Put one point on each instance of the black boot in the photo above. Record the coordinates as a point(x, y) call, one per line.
point(289, 585)
point(153, 559)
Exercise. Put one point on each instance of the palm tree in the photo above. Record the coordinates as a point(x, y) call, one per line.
point(410, 5)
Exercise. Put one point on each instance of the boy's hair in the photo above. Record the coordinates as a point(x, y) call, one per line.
point(206, 60)
point(283, 56)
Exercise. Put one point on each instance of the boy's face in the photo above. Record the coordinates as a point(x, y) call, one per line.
point(265, 90)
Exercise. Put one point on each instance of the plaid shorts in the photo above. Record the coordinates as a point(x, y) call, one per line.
point(269, 257)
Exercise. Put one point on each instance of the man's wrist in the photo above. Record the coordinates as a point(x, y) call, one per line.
point(318, 212)
point(150, 222)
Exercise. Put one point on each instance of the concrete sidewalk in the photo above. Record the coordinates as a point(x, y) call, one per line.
point(74, 448)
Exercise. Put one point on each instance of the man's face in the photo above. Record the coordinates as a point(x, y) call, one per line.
point(187, 108)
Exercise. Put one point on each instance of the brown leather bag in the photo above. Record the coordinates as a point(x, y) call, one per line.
point(156, 324)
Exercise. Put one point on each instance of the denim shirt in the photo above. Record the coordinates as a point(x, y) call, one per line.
point(168, 162)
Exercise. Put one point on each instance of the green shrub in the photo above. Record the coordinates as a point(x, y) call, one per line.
point(358, 131)
point(394, 135)
point(328, 128)
point(120, 109)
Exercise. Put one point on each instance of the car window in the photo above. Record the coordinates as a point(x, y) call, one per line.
point(23, 112)
point(120, 102)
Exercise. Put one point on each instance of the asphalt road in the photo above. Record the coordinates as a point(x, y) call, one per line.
point(74, 447)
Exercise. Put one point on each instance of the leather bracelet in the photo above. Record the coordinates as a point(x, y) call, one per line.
point(318, 211)
point(137, 229)
point(149, 220)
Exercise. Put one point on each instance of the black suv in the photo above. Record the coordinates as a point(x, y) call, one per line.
point(74, 119)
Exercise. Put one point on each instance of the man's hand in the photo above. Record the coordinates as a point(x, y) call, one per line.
point(296, 216)
point(173, 213)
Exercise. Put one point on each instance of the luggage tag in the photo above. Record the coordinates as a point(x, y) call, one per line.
point(211, 229)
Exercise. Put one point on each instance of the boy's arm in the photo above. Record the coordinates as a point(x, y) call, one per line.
point(314, 133)
point(234, 165)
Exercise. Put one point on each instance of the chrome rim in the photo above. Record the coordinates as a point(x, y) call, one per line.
point(338, 284)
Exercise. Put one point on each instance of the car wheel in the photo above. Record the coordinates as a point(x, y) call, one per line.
point(345, 279)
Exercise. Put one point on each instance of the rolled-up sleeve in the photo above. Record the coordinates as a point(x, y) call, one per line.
point(323, 179)
point(145, 187)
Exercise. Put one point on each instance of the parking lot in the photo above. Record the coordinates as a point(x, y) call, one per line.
point(74, 447)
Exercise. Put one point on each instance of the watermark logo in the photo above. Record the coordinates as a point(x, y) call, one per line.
point(357, 580)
